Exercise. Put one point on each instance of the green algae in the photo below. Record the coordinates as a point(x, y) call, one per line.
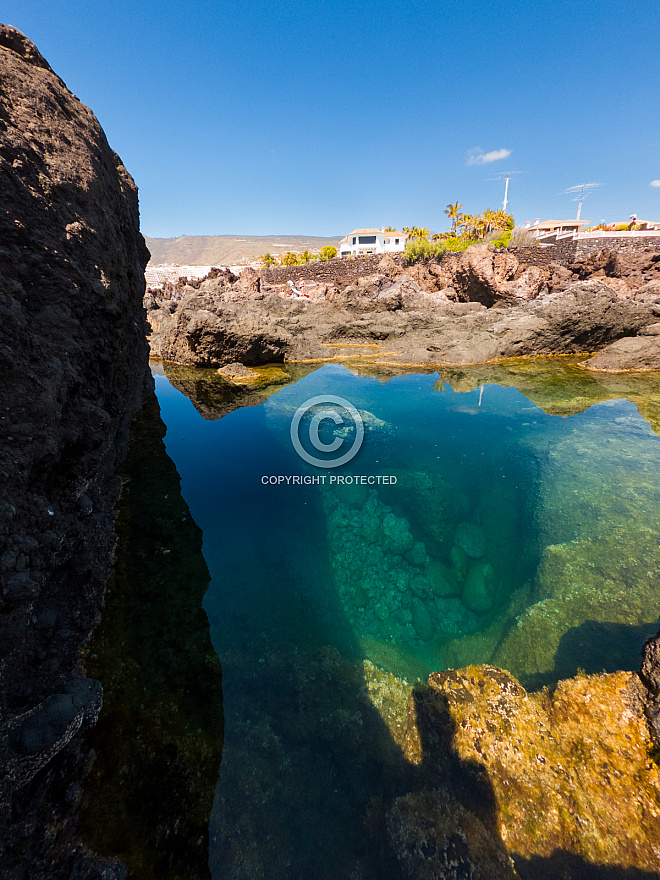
point(561, 386)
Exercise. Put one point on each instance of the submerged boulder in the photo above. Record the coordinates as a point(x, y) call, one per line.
point(443, 579)
point(397, 534)
point(471, 539)
point(479, 587)
point(422, 621)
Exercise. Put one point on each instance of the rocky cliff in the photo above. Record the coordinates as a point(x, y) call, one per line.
point(74, 372)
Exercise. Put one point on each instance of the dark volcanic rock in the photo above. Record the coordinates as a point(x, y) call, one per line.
point(73, 362)
point(650, 675)
point(396, 319)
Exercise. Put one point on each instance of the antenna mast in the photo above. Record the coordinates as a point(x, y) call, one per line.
point(583, 189)
point(506, 177)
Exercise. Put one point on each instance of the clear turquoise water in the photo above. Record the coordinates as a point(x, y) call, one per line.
point(497, 507)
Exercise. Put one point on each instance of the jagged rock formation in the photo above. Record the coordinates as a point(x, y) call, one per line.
point(74, 372)
point(391, 319)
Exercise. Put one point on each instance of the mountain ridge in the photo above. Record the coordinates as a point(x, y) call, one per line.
point(213, 250)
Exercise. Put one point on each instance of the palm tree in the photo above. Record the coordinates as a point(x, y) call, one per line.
point(416, 232)
point(504, 220)
point(389, 229)
point(305, 257)
point(490, 219)
point(267, 260)
point(453, 212)
point(465, 223)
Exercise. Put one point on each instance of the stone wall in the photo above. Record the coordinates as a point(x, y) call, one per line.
point(535, 256)
point(584, 247)
point(341, 270)
point(570, 250)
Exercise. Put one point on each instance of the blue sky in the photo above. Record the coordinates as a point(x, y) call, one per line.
point(317, 117)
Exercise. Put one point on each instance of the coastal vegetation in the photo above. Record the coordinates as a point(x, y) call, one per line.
point(291, 258)
point(467, 229)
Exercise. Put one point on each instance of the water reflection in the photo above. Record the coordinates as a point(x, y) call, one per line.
point(508, 531)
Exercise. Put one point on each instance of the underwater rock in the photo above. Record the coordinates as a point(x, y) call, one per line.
point(418, 555)
point(397, 534)
point(435, 838)
point(478, 588)
point(443, 579)
point(435, 506)
point(460, 562)
point(420, 587)
point(352, 495)
point(609, 579)
point(567, 770)
point(471, 539)
point(422, 621)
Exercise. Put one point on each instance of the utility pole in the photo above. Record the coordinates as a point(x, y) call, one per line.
point(506, 193)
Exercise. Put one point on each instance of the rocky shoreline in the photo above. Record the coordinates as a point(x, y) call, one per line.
point(74, 375)
point(471, 308)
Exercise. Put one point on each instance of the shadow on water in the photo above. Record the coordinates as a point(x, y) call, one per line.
point(595, 647)
point(159, 737)
point(315, 779)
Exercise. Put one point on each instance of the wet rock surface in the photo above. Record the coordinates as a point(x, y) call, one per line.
point(558, 782)
point(74, 372)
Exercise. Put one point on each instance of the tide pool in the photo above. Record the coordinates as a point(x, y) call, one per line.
point(503, 534)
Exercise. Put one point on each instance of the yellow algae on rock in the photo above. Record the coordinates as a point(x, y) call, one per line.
point(569, 770)
point(389, 695)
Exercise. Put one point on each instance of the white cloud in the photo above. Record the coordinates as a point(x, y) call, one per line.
point(478, 157)
point(655, 183)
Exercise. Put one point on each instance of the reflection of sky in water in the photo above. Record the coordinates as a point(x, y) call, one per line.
point(401, 574)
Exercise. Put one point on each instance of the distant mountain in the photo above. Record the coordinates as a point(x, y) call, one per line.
point(224, 250)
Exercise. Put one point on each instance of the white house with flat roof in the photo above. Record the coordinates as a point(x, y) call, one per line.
point(372, 241)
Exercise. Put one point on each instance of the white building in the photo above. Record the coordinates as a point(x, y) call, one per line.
point(372, 241)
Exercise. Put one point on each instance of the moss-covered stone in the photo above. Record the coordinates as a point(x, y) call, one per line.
point(568, 770)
